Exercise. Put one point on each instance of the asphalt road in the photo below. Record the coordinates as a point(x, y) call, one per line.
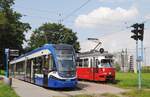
point(24, 89)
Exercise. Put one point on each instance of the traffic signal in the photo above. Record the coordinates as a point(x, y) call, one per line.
point(138, 31)
point(135, 31)
point(141, 31)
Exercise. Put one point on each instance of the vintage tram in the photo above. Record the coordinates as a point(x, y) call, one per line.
point(95, 66)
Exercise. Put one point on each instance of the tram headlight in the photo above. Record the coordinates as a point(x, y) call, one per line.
point(55, 78)
point(109, 73)
point(103, 69)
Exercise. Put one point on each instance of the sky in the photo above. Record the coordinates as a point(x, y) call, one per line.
point(107, 20)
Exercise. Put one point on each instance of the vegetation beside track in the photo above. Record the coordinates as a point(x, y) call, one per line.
point(6, 91)
point(1, 72)
point(132, 93)
point(130, 80)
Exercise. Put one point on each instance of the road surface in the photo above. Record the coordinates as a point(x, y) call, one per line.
point(24, 89)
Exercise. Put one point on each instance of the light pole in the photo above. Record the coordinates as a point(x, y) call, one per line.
point(138, 35)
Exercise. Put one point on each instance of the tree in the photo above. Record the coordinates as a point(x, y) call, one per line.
point(11, 28)
point(53, 33)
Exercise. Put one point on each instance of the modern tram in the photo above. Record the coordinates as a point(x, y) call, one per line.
point(52, 66)
point(95, 66)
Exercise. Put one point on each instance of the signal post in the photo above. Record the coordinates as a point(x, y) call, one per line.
point(138, 32)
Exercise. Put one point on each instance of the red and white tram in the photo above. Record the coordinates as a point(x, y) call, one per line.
point(95, 66)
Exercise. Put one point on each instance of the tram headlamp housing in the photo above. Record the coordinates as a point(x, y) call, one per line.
point(109, 73)
point(55, 78)
point(103, 69)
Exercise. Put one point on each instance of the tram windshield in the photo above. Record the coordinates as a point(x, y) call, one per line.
point(105, 63)
point(66, 60)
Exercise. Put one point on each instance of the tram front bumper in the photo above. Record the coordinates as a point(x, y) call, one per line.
point(106, 76)
point(55, 83)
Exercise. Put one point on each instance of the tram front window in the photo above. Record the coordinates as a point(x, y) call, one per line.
point(105, 63)
point(66, 63)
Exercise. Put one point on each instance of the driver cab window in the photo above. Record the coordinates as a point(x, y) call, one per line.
point(106, 63)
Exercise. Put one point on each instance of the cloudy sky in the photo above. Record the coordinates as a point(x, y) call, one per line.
point(107, 20)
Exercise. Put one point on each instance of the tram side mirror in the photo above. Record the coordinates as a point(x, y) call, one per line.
point(101, 50)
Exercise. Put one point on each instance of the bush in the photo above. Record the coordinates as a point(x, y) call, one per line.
point(146, 69)
point(117, 67)
point(2, 72)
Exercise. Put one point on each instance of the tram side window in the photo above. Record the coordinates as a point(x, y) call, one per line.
point(28, 68)
point(45, 60)
point(86, 62)
point(91, 62)
point(80, 62)
point(97, 62)
point(20, 68)
point(38, 64)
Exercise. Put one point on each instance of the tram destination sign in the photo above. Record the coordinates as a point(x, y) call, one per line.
point(14, 52)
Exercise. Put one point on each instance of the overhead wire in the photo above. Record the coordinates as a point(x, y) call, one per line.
point(75, 10)
point(63, 19)
point(39, 10)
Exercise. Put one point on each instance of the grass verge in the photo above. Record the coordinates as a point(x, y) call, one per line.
point(132, 93)
point(109, 95)
point(6, 91)
point(130, 80)
point(137, 93)
point(2, 72)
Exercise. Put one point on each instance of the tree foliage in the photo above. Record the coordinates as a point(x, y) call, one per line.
point(55, 34)
point(11, 28)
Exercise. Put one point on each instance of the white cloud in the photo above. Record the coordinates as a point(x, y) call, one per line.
point(117, 41)
point(147, 17)
point(106, 16)
point(112, 42)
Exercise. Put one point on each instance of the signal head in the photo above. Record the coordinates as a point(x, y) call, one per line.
point(135, 37)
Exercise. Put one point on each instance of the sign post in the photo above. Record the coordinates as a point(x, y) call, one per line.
point(9, 53)
point(6, 61)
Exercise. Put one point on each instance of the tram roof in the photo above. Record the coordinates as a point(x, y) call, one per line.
point(94, 54)
point(46, 46)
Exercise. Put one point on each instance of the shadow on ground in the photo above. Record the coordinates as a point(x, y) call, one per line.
point(116, 82)
point(79, 87)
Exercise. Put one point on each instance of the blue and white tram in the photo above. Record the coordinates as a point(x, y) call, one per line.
point(52, 65)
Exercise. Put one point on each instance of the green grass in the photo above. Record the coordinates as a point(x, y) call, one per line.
point(132, 93)
point(137, 93)
point(109, 95)
point(2, 72)
point(6, 91)
point(130, 80)
point(84, 95)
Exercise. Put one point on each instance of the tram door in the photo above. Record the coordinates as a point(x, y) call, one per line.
point(32, 71)
point(93, 68)
point(45, 70)
point(45, 80)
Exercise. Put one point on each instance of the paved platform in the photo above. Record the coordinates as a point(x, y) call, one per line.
point(24, 89)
